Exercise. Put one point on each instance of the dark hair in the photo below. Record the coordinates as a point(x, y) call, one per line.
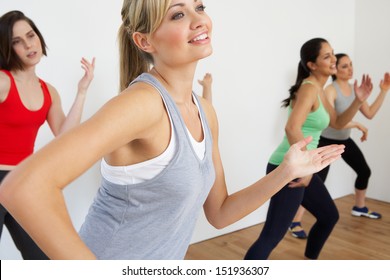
point(309, 53)
point(338, 57)
point(9, 60)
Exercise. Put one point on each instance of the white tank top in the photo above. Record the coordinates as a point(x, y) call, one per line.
point(143, 171)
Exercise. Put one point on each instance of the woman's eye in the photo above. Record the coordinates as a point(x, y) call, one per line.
point(177, 16)
point(201, 8)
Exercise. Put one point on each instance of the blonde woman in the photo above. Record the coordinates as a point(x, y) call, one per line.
point(159, 144)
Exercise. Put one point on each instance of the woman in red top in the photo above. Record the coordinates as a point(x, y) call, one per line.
point(26, 102)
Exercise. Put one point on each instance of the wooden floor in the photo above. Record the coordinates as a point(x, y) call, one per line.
point(353, 238)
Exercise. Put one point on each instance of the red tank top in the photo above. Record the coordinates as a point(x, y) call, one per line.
point(19, 125)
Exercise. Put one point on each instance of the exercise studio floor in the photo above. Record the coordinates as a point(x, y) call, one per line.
point(354, 238)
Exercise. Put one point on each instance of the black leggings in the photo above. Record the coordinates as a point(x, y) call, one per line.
point(282, 209)
point(354, 157)
point(24, 243)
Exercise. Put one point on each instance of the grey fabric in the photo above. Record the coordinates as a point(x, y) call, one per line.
point(154, 219)
point(342, 103)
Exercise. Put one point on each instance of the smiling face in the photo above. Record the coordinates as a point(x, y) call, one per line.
point(344, 68)
point(326, 61)
point(184, 35)
point(26, 44)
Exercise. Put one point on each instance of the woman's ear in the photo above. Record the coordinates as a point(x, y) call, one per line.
point(311, 66)
point(142, 42)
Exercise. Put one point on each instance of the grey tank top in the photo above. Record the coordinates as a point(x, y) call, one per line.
point(342, 103)
point(153, 219)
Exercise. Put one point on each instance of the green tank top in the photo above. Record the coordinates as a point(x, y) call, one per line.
point(313, 126)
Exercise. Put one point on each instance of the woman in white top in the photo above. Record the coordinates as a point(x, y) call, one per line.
point(135, 127)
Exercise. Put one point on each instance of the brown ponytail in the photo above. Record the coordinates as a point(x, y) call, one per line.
point(309, 53)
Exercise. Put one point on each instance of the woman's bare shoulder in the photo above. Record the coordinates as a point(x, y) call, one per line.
point(308, 91)
point(140, 103)
point(5, 85)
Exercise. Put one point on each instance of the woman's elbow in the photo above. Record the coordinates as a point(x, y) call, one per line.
point(218, 225)
point(216, 222)
point(290, 129)
point(3, 196)
point(14, 190)
point(336, 126)
point(7, 192)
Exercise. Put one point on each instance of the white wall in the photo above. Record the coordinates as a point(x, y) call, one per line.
point(372, 56)
point(73, 29)
point(256, 52)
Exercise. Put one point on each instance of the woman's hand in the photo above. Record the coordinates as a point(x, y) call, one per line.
point(385, 83)
point(364, 131)
point(363, 91)
point(307, 162)
point(207, 80)
point(206, 84)
point(86, 80)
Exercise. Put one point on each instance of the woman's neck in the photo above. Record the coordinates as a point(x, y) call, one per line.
point(320, 81)
point(341, 82)
point(25, 76)
point(344, 86)
point(177, 81)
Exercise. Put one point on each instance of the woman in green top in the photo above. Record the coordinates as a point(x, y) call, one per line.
point(309, 114)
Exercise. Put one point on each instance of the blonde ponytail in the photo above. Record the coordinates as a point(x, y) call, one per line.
point(137, 16)
point(131, 61)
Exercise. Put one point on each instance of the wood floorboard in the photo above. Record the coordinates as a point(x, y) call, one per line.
point(353, 238)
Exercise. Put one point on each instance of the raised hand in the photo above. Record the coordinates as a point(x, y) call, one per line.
point(207, 80)
point(89, 68)
point(306, 162)
point(363, 91)
point(206, 84)
point(385, 83)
